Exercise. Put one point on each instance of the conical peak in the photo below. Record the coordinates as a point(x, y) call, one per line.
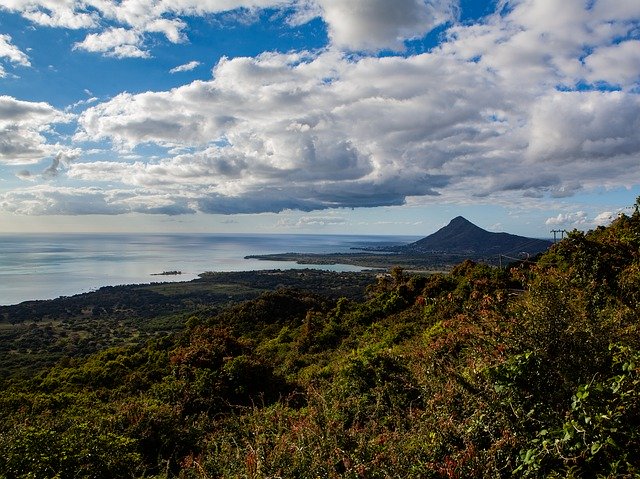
point(462, 236)
point(459, 220)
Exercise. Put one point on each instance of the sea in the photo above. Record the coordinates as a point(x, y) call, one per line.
point(46, 266)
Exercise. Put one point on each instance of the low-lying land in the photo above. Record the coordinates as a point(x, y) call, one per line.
point(381, 261)
point(440, 251)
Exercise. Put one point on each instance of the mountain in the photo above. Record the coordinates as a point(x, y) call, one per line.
point(461, 236)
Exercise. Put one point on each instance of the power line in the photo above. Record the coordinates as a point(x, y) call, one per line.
point(562, 232)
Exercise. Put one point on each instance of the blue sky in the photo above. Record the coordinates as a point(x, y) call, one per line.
point(312, 116)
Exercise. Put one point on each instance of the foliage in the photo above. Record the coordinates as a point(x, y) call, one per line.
point(528, 371)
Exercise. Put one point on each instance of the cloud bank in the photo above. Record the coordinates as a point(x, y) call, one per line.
point(537, 99)
point(22, 131)
point(12, 54)
point(123, 28)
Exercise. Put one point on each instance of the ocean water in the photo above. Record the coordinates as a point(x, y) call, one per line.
point(48, 266)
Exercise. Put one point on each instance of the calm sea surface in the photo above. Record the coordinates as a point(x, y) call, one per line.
point(48, 266)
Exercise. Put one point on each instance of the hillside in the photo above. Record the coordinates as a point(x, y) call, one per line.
point(36, 334)
point(440, 251)
point(528, 371)
point(461, 236)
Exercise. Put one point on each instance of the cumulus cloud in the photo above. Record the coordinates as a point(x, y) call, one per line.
point(12, 53)
point(617, 64)
point(529, 43)
point(581, 220)
point(22, 128)
point(185, 67)
point(518, 39)
point(54, 13)
point(278, 122)
point(115, 42)
point(604, 218)
point(123, 26)
point(309, 131)
point(55, 200)
point(379, 24)
point(574, 220)
point(353, 25)
point(586, 125)
point(62, 158)
point(506, 107)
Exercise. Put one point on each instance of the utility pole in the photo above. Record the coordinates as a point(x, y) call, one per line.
point(562, 232)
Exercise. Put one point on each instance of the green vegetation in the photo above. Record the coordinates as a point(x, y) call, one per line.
point(528, 371)
point(414, 261)
point(36, 334)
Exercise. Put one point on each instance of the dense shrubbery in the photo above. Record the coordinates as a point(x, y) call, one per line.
point(34, 335)
point(529, 371)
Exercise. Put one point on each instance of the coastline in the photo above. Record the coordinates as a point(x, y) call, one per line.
point(47, 266)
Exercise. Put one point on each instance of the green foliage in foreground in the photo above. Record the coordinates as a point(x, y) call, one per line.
point(35, 335)
point(532, 371)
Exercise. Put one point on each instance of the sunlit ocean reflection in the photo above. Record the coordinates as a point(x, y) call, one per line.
point(48, 266)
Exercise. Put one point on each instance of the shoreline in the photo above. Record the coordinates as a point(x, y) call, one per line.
point(378, 261)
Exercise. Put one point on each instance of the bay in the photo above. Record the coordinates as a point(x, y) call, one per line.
point(46, 266)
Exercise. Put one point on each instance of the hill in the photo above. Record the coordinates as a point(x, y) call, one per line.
point(461, 236)
point(529, 371)
point(440, 251)
point(36, 334)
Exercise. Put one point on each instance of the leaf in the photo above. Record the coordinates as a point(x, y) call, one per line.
point(529, 456)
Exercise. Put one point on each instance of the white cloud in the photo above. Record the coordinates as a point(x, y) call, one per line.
point(586, 126)
point(172, 29)
point(529, 29)
point(9, 51)
point(581, 220)
point(575, 220)
point(495, 112)
point(616, 10)
point(541, 42)
point(379, 24)
point(54, 13)
point(123, 27)
point(616, 64)
point(47, 199)
point(62, 159)
point(353, 25)
point(311, 221)
point(279, 121)
point(22, 128)
point(185, 67)
point(604, 218)
point(315, 131)
point(115, 42)
point(82, 103)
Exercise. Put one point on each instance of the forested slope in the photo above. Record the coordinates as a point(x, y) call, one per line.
point(36, 334)
point(527, 371)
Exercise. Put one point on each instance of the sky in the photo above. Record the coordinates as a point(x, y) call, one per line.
point(317, 116)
